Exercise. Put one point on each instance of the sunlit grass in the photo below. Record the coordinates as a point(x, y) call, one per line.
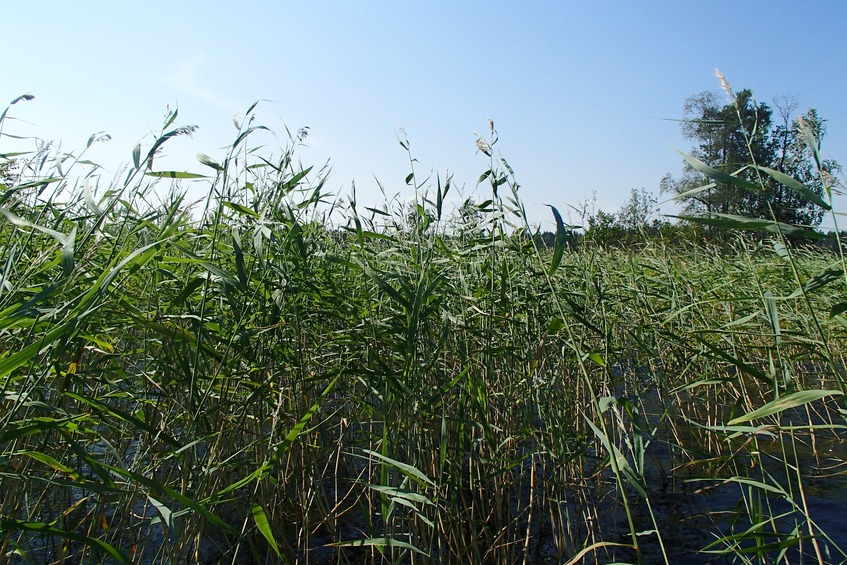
point(250, 381)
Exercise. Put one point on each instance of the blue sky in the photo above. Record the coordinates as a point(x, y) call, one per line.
point(579, 92)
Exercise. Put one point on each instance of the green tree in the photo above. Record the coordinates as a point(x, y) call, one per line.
point(634, 223)
point(8, 171)
point(730, 137)
point(792, 156)
point(604, 229)
point(639, 210)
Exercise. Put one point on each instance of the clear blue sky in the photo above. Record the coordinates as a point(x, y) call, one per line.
point(577, 90)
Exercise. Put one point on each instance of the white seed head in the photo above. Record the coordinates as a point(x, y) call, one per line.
point(483, 146)
point(724, 84)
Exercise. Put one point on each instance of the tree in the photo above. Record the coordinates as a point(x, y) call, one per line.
point(732, 137)
point(639, 210)
point(604, 229)
point(633, 224)
point(8, 171)
point(792, 156)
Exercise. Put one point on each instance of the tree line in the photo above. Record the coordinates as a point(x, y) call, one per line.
point(737, 138)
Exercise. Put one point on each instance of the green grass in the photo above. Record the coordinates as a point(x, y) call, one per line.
point(253, 379)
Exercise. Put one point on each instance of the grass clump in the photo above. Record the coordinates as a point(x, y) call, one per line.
point(254, 379)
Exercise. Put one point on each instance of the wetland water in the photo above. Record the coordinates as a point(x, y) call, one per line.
point(755, 496)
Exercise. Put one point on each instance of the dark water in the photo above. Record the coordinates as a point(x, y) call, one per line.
point(694, 509)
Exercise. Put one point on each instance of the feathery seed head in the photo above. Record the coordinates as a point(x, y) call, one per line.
point(724, 84)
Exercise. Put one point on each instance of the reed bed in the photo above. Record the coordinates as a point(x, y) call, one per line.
point(274, 375)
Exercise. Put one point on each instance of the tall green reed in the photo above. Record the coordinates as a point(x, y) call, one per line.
point(255, 379)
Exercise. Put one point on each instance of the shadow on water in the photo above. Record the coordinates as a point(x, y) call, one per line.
point(724, 497)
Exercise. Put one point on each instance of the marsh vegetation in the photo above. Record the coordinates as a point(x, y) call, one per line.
point(274, 375)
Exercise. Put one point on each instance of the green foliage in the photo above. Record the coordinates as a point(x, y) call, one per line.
point(639, 210)
point(253, 381)
point(8, 171)
point(635, 225)
point(741, 138)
